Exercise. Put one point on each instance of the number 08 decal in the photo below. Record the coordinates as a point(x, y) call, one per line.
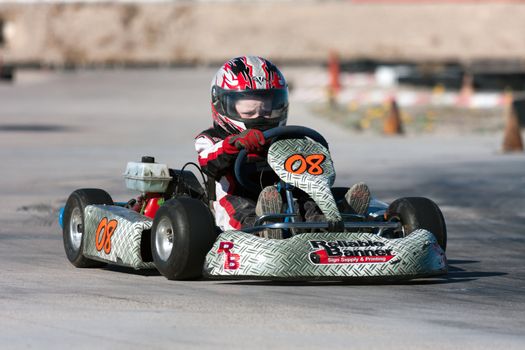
point(105, 230)
point(298, 164)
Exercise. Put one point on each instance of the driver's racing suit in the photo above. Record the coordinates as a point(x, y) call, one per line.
point(234, 207)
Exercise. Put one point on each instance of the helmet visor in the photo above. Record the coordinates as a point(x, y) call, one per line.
point(254, 104)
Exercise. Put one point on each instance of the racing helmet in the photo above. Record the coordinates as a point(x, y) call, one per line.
point(248, 78)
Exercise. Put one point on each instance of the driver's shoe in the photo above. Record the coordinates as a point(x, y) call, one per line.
point(357, 199)
point(269, 202)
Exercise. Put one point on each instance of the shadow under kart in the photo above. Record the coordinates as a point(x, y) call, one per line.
point(174, 230)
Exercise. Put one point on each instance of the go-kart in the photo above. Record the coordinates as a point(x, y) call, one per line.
point(173, 229)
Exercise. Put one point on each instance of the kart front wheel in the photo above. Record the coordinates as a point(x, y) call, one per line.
point(183, 232)
point(419, 213)
point(73, 229)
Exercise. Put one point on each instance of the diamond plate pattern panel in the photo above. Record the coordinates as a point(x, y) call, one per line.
point(125, 240)
point(414, 256)
point(316, 186)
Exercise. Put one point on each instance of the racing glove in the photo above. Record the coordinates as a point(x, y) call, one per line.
point(252, 140)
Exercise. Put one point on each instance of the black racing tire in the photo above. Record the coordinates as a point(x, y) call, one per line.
point(419, 213)
point(183, 232)
point(73, 220)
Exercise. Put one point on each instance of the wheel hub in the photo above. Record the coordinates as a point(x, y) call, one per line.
point(76, 228)
point(164, 239)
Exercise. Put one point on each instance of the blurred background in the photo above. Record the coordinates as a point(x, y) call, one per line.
point(421, 66)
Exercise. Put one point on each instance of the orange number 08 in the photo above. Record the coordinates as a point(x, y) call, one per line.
point(105, 230)
point(311, 164)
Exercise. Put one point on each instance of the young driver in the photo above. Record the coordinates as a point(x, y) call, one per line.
point(248, 96)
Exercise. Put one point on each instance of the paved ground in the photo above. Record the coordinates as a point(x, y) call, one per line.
point(59, 132)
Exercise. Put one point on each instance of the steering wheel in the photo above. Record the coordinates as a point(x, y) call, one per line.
point(290, 131)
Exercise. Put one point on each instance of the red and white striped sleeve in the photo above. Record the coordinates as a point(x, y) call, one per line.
point(215, 158)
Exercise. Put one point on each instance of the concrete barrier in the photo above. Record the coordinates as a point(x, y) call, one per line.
point(209, 32)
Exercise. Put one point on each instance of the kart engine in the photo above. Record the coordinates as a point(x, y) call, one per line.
point(147, 176)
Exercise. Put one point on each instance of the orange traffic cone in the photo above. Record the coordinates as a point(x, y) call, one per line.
point(392, 124)
point(466, 92)
point(334, 84)
point(512, 141)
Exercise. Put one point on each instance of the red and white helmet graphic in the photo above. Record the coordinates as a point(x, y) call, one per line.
point(248, 78)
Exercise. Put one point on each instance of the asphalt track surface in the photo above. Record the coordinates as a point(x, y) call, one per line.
point(62, 131)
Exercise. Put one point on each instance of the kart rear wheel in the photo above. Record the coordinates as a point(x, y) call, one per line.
point(183, 232)
point(419, 213)
point(73, 230)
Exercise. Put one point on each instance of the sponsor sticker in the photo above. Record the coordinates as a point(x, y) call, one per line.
point(231, 261)
point(261, 80)
point(349, 252)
